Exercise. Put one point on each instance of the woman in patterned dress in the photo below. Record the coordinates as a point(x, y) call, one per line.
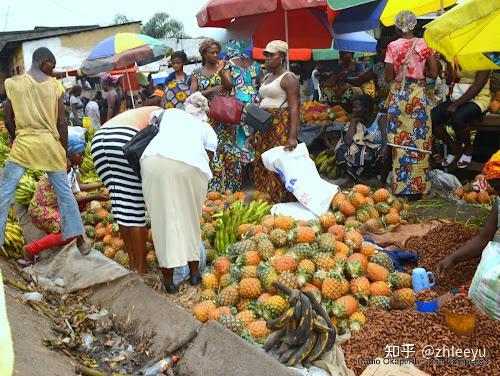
point(178, 83)
point(214, 78)
point(280, 88)
point(409, 131)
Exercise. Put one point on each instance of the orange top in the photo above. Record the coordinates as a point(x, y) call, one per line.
point(137, 117)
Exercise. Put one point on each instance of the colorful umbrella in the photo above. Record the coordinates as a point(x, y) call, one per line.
point(121, 51)
point(302, 23)
point(367, 14)
point(359, 41)
point(466, 32)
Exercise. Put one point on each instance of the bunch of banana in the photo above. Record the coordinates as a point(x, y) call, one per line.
point(90, 177)
point(25, 189)
point(14, 240)
point(4, 149)
point(303, 333)
point(88, 163)
point(228, 221)
point(326, 163)
point(35, 174)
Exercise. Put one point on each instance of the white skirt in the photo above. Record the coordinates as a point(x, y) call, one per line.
point(174, 193)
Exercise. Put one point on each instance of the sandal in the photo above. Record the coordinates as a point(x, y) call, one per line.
point(450, 158)
point(464, 161)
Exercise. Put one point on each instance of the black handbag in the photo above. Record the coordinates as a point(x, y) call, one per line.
point(259, 119)
point(134, 148)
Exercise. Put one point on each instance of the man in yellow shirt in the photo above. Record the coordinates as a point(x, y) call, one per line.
point(40, 135)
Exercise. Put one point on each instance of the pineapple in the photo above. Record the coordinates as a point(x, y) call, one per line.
point(354, 239)
point(228, 296)
point(340, 263)
point(381, 195)
point(312, 288)
point(380, 288)
point(363, 189)
point(382, 302)
point(399, 280)
point(332, 287)
point(266, 248)
point(273, 307)
point(324, 261)
point(376, 272)
point(307, 266)
point(356, 265)
point(337, 200)
point(246, 304)
point(303, 277)
point(208, 295)
point(360, 287)
point(250, 288)
point(392, 219)
point(222, 265)
point(356, 321)
point(367, 249)
point(226, 280)
point(363, 214)
point(383, 259)
point(338, 231)
point(232, 323)
point(202, 310)
point(244, 246)
point(315, 225)
point(406, 296)
point(286, 263)
point(383, 207)
point(340, 217)
point(267, 274)
point(121, 257)
point(288, 279)
point(249, 258)
point(278, 237)
point(319, 277)
point(216, 314)
point(210, 281)
point(345, 306)
point(327, 220)
point(327, 242)
point(342, 248)
point(357, 200)
point(302, 234)
point(247, 316)
point(258, 329)
point(347, 209)
point(301, 251)
point(284, 222)
point(249, 271)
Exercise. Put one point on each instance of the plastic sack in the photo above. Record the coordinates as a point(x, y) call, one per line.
point(442, 182)
point(77, 132)
point(300, 176)
point(182, 273)
point(293, 209)
point(484, 287)
point(333, 361)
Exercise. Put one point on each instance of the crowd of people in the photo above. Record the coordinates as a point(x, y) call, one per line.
point(391, 129)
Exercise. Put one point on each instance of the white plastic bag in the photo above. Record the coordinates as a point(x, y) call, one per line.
point(77, 132)
point(443, 182)
point(293, 209)
point(300, 176)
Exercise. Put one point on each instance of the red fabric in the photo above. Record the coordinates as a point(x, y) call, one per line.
point(48, 241)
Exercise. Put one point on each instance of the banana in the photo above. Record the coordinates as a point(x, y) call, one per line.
point(303, 350)
point(274, 339)
point(318, 308)
point(298, 310)
point(304, 327)
point(291, 330)
point(319, 346)
point(319, 324)
point(281, 321)
point(283, 348)
point(285, 357)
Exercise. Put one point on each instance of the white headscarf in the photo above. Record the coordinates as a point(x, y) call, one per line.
point(197, 105)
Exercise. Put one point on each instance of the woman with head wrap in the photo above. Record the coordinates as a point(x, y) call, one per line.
point(211, 79)
point(43, 209)
point(484, 288)
point(175, 174)
point(408, 61)
point(178, 83)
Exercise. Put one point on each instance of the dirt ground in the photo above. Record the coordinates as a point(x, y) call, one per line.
point(28, 330)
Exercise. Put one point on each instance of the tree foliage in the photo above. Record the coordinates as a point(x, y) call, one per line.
point(161, 25)
point(120, 18)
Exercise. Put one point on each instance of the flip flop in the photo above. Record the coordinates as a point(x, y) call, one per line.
point(450, 158)
point(464, 161)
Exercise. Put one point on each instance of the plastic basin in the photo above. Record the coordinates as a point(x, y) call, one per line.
point(462, 325)
point(427, 307)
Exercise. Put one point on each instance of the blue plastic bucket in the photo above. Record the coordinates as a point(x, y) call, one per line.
point(427, 307)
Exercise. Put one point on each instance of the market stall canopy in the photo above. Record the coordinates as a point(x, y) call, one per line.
point(302, 23)
point(123, 50)
point(466, 32)
point(330, 54)
point(367, 15)
point(359, 41)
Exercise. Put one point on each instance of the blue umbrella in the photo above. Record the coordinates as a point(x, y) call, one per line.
point(359, 18)
point(359, 41)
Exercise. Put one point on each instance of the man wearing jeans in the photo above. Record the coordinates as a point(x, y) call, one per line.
point(40, 134)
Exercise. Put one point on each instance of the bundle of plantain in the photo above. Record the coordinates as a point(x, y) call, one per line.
point(228, 221)
point(25, 189)
point(304, 332)
point(14, 240)
point(326, 163)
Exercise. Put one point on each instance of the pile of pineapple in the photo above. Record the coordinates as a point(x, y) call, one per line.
point(327, 257)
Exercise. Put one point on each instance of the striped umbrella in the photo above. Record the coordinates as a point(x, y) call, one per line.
point(121, 51)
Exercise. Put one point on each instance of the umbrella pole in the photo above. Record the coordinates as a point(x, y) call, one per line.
point(286, 39)
point(131, 93)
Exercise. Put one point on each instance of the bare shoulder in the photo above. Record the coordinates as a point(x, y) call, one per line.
point(289, 80)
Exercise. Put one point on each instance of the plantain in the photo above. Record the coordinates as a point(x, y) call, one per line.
point(285, 357)
point(319, 324)
point(318, 308)
point(319, 346)
point(304, 326)
point(281, 321)
point(298, 310)
point(291, 330)
point(283, 348)
point(274, 338)
point(303, 350)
